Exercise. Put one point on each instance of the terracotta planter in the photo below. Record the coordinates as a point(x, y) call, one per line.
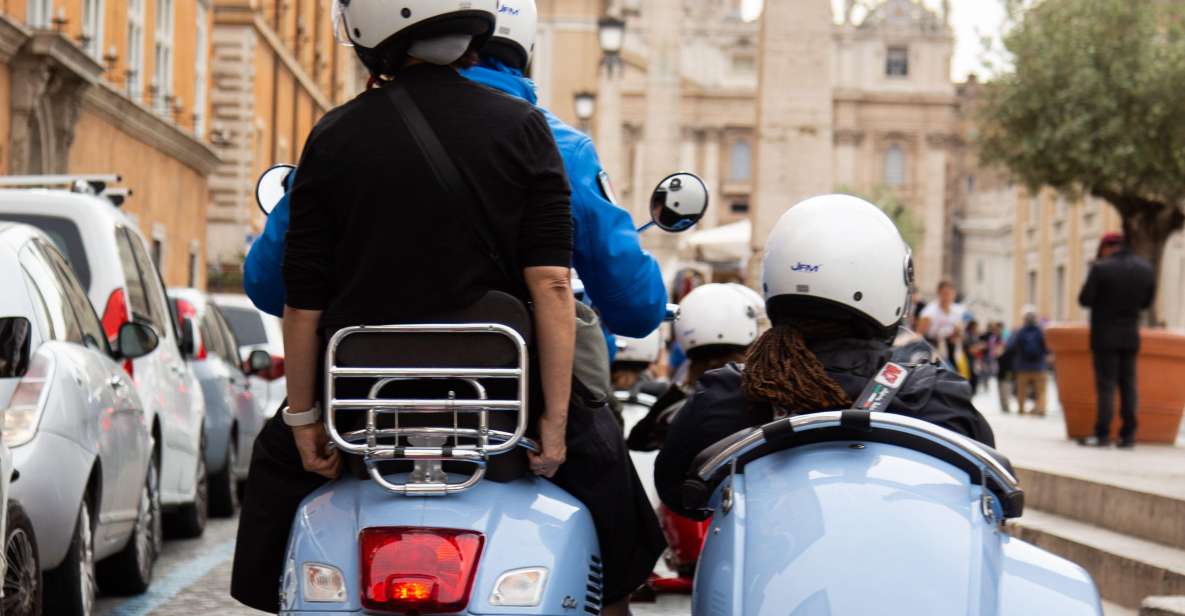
point(1160, 375)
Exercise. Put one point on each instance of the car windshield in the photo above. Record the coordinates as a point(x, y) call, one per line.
point(247, 324)
point(65, 236)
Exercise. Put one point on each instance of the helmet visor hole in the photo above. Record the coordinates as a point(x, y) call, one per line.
point(357, 33)
point(858, 296)
point(406, 12)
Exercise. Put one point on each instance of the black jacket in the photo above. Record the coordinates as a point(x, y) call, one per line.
point(1116, 290)
point(718, 408)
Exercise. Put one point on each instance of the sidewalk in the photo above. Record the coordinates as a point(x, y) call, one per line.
point(1040, 443)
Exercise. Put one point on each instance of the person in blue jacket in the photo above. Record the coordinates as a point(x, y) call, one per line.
point(621, 280)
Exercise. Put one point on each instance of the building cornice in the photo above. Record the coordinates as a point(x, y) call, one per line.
point(857, 95)
point(146, 126)
point(13, 36)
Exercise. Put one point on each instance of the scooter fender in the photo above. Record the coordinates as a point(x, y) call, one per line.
point(529, 522)
point(851, 528)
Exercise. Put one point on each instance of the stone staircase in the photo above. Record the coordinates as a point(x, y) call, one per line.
point(1131, 541)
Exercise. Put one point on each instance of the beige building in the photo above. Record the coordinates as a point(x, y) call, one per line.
point(687, 98)
point(276, 69)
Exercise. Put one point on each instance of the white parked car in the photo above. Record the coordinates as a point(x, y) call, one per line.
point(111, 261)
point(81, 448)
point(258, 331)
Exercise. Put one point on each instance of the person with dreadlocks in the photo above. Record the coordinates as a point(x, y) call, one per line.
point(836, 278)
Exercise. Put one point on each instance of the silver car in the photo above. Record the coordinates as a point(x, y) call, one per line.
point(258, 331)
point(233, 414)
point(77, 429)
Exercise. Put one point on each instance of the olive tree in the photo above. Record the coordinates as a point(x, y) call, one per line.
point(1094, 102)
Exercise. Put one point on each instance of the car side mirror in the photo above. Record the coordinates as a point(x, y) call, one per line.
point(259, 361)
point(136, 340)
point(188, 343)
point(16, 335)
point(272, 187)
point(679, 202)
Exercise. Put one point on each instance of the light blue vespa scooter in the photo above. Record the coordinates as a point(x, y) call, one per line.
point(856, 512)
point(439, 514)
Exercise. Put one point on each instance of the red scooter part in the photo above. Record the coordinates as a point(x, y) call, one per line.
point(686, 540)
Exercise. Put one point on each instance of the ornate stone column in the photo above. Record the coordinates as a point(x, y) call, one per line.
point(936, 223)
point(610, 133)
point(660, 149)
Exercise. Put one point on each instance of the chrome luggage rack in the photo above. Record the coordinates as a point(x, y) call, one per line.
point(427, 447)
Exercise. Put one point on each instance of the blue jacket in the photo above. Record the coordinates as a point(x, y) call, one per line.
point(623, 281)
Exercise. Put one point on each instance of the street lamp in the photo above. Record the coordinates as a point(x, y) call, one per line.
point(585, 104)
point(611, 36)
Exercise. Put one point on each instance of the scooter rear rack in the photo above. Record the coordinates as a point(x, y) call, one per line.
point(428, 446)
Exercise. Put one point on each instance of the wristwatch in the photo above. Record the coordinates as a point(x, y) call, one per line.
point(303, 418)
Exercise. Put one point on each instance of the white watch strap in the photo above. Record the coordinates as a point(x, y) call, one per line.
point(303, 418)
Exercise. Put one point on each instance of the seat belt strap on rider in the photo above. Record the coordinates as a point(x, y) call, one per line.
point(446, 172)
point(876, 397)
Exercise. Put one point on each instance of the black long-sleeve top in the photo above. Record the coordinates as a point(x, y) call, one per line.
point(718, 408)
point(373, 239)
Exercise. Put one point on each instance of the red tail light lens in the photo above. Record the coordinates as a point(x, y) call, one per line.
point(277, 369)
point(186, 310)
point(115, 314)
point(418, 570)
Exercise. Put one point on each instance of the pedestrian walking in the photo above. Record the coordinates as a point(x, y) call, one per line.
point(1120, 285)
point(1030, 355)
point(941, 322)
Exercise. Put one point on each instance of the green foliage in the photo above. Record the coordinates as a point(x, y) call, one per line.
point(1094, 100)
point(911, 228)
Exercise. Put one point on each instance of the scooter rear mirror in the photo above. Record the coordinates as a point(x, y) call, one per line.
point(678, 203)
point(272, 187)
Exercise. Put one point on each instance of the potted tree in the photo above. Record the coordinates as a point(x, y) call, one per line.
point(1092, 104)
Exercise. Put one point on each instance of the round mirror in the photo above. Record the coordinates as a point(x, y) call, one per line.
point(679, 202)
point(272, 187)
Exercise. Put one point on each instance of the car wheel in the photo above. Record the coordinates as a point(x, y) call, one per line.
point(189, 520)
point(224, 489)
point(70, 589)
point(22, 579)
point(130, 571)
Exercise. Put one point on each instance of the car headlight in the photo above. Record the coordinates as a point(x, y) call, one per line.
point(28, 401)
point(322, 583)
point(520, 588)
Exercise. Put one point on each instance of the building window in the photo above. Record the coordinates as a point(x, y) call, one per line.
point(192, 275)
point(979, 271)
point(201, 71)
point(1032, 295)
point(739, 207)
point(1034, 210)
point(895, 166)
point(970, 184)
point(135, 70)
point(158, 249)
point(897, 62)
point(740, 162)
point(40, 13)
point(162, 78)
point(92, 28)
point(1060, 207)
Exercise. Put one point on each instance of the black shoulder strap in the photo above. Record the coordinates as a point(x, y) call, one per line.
point(447, 174)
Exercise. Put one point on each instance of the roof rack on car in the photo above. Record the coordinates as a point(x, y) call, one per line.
point(96, 184)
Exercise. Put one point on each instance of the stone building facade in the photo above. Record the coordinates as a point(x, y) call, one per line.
point(275, 70)
point(115, 87)
point(867, 106)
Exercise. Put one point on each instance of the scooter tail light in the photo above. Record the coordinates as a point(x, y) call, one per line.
point(276, 372)
point(115, 314)
point(420, 570)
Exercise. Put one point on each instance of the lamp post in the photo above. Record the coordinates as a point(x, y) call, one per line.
point(585, 103)
point(611, 36)
point(610, 139)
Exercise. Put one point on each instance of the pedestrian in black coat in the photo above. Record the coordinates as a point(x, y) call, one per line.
point(1120, 285)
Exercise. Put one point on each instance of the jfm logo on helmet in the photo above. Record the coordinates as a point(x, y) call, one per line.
point(806, 267)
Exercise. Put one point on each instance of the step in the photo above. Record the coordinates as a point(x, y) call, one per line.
point(1147, 515)
point(1163, 606)
point(1126, 569)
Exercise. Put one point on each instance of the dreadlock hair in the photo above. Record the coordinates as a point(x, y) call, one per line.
point(781, 370)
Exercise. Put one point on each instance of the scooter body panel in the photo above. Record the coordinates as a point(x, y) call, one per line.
point(846, 528)
point(528, 522)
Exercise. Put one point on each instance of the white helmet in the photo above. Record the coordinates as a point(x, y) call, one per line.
point(835, 257)
point(514, 39)
point(382, 31)
point(639, 350)
point(716, 314)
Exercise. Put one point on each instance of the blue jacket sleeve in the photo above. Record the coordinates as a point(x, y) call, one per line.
point(623, 281)
point(263, 271)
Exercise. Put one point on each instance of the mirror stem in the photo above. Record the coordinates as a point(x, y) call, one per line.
point(646, 226)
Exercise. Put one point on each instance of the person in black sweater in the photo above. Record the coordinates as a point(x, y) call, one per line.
point(836, 277)
point(1120, 285)
point(375, 238)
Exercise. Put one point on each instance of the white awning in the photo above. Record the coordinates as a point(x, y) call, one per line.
point(725, 243)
